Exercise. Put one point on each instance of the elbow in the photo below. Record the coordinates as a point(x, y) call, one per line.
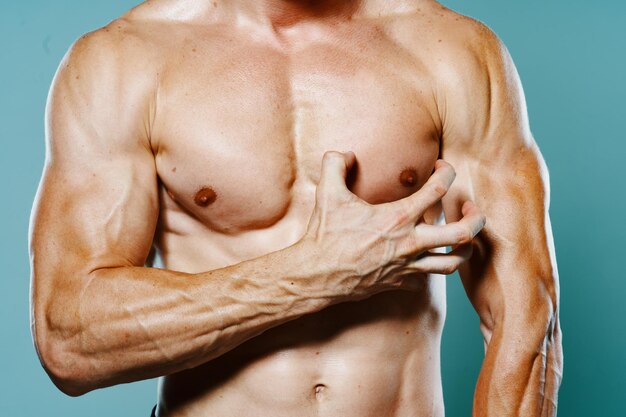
point(65, 367)
point(538, 318)
point(537, 306)
point(528, 323)
point(70, 387)
point(539, 331)
point(544, 306)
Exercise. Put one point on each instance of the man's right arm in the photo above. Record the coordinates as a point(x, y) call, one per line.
point(99, 317)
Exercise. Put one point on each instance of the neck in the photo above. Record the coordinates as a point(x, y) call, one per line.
point(285, 13)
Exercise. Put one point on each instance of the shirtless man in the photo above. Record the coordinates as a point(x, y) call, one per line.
point(277, 155)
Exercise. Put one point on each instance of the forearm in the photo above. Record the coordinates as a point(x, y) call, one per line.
point(132, 323)
point(512, 281)
point(517, 299)
point(522, 370)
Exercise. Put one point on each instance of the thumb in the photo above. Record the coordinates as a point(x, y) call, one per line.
point(335, 167)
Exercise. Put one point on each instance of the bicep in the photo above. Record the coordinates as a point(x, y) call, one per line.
point(95, 215)
point(487, 139)
point(511, 276)
point(97, 202)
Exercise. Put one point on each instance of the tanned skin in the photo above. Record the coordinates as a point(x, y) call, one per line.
point(289, 162)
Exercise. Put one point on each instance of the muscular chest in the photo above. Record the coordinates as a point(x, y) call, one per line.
point(241, 128)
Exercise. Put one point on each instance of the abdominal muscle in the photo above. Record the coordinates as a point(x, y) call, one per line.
point(371, 358)
point(376, 357)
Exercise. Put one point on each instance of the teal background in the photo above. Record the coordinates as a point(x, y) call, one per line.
point(571, 56)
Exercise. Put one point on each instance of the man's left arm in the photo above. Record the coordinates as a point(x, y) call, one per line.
point(511, 278)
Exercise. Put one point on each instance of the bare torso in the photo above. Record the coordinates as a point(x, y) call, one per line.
point(241, 118)
point(204, 130)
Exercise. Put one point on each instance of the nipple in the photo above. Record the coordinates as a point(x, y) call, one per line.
point(205, 196)
point(408, 177)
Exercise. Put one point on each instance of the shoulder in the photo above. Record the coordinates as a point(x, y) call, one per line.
point(105, 84)
point(473, 54)
point(475, 83)
point(135, 46)
point(454, 47)
point(117, 48)
point(469, 47)
point(473, 63)
point(469, 33)
point(114, 66)
point(479, 91)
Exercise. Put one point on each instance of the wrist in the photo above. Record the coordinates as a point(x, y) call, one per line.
point(319, 274)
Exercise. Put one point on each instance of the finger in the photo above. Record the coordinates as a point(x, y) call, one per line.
point(452, 234)
point(433, 190)
point(442, 263)
point(434, 214)
point(335, 167)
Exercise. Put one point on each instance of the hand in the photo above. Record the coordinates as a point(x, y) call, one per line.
point(385, 245)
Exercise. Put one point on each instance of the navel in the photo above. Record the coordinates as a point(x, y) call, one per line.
point(319, 390)
point(408, 177)
point(205, 196)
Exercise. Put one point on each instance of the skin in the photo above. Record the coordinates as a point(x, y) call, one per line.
point(277, 155)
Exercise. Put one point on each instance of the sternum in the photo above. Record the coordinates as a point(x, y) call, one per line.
point(300, 114)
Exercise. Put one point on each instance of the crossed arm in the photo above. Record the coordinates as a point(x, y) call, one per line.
point(98, 202)
point(512, 278)
point(100, 318)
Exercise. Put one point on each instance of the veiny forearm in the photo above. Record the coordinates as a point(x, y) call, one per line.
point(521, 373)
point(133, 323)
point(512, 281)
